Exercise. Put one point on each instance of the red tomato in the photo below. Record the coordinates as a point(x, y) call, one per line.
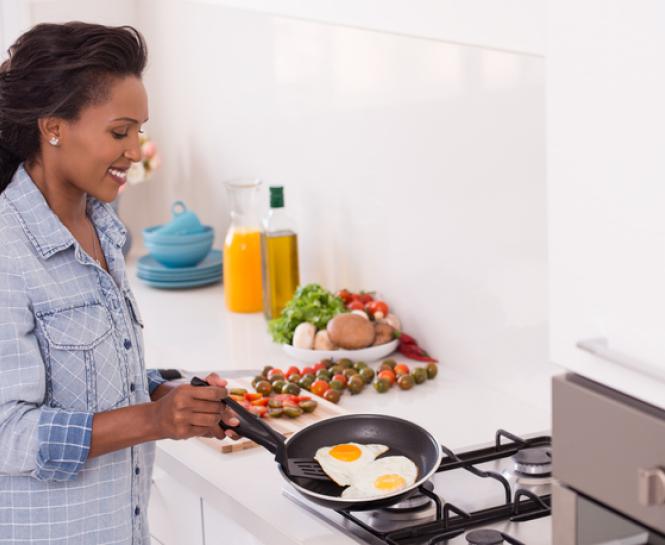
point(344, 295)
point(303, 398)
point(274, 372)
point(292, 370)
point(365, 297)
point(258, 411)
point(342, 378)
point(355, 305)
point(318, 366)
point(308, 371)
point(388, 375)
point(261, 402)
point(253, 396)
point(401, 369)
point(377, 306)
point(319, 387)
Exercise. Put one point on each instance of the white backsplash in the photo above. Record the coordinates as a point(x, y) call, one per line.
point(414, 167)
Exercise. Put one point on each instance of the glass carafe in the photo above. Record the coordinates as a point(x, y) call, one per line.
point(242, 249)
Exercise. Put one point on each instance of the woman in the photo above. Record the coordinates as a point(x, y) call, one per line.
point(78, 412)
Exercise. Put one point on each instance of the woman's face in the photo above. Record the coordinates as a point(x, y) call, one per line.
point(97, 149)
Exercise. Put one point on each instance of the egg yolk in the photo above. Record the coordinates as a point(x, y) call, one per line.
point(389, 482)
point(345, 453)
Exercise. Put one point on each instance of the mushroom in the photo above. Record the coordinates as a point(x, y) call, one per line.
point(351, 331)
point(384, 333)
point(303, 336)
point(322, 341)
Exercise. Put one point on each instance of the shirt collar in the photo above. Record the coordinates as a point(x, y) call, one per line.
point(44, 229)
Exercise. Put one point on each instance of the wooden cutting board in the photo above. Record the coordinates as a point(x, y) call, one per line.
point(285, 425)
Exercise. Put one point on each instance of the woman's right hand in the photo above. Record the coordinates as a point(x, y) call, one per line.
point(191, 411)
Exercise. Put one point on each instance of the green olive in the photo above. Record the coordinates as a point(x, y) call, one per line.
point(419, 374)
point(308, 405)
point(355, 384)
point(264, 387)
point(367, 375)
point(432, 370)
point(332, 395)
point(293, 412)
point(290, 388)
point(405, 382)
point(277, 412)
point(382, 385)
point(278, 385)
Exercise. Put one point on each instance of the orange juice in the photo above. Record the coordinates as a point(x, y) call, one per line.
point(242, 270)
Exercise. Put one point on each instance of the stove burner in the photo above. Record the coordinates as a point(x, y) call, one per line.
point(484, 537)
point(416, 507)
point(534, 461)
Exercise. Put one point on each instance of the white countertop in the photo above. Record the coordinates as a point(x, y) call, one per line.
point(191, 329)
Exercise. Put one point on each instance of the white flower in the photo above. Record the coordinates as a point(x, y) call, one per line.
point(136, 173)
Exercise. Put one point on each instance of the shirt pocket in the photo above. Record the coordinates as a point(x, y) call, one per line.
point(83, 362)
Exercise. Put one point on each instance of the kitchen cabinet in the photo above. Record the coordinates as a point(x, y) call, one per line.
point(174, 511)
point(605, 113)
point(220, 529)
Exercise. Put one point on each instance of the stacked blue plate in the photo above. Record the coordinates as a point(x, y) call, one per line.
point(208, 271)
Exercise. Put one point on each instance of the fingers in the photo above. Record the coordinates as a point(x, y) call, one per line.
point(229, 417)
point(215, 380)
point(209, 393)
point(204, 420)
point(210, 407)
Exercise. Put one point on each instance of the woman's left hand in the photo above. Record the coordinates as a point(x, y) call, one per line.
point(227, 415)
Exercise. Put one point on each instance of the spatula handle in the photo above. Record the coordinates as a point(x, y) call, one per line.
point(251, 426)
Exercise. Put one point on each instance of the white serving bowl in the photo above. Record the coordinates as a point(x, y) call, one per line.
point(370, 354)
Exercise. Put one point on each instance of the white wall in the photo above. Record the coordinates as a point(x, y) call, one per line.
point(415, 167)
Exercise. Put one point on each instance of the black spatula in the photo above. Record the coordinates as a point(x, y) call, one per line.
point(252, 427)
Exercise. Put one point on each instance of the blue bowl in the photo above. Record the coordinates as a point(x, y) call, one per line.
point(152, 235)
point(178, 250)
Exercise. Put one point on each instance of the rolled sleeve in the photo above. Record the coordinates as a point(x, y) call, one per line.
point(154, 380)
point(64, 439)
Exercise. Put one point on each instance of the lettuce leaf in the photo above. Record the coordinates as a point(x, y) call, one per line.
point(311, 303)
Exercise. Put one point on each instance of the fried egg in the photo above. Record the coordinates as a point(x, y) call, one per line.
point(342, 461)
point(382, 477)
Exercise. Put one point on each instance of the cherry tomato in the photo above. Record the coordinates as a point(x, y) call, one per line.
point(377, 306)
point(307, 371)
point(355, 305)
point(320, 387)
point(365, 297)
point(318, 366)
point(292, 370)
point(274, 372)
point(342, 378)
point(259, 411)
point(388, 375)
point(303, 398)
point(253, 396)
point(401, 369)
point(262, 402)
point(344, 295)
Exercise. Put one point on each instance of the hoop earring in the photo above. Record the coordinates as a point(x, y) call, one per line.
point(54, 140)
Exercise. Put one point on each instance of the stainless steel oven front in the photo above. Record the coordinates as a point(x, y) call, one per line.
point(608, 463)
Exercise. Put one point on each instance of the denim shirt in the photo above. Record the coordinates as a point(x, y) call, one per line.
point(70, 346)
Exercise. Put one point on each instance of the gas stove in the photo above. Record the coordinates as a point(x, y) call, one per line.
point(497, 493)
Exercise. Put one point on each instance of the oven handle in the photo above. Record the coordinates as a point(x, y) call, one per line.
point(600, 347)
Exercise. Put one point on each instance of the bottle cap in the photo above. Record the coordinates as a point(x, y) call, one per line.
point(276, 197)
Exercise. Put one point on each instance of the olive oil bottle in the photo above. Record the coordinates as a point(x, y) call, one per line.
point(279, 256)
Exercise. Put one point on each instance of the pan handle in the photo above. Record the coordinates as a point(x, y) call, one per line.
point(251, 426)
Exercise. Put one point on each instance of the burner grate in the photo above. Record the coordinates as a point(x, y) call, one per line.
point(451, 521)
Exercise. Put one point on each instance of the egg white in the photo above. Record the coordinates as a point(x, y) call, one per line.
point(396, 470)
point(342, 471)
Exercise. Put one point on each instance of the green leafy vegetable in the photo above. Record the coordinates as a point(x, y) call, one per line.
point(311, 303)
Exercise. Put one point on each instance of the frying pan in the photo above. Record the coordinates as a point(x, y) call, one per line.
point(403, 438)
